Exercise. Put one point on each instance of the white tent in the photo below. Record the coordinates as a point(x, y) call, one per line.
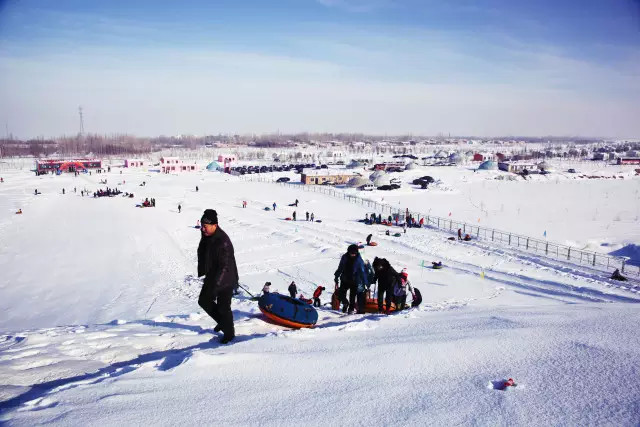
point(376, 174)
point(382, 180)
point(357, 181)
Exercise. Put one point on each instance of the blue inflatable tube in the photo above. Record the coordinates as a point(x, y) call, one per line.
point(287, 311)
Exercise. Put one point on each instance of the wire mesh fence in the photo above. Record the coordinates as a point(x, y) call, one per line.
point(525, 243)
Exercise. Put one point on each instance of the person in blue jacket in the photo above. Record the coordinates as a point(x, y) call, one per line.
point(353, 278)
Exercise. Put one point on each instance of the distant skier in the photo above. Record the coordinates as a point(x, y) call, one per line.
point(459, 233)
point(293, 289)
point(296, 203)
point(179, 208)
point(274, 206)
point(63, 191)
point(294, 215)
point(316, 296)
point(197, 188)
point(307, 214)
point(216, 261)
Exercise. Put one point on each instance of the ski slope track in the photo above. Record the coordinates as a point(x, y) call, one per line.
point(99, 321)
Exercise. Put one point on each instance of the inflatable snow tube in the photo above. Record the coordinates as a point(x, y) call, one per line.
point(288, 218)
point(437, 267)
point(267, 209)
point(373, 243)
point(286, 311)
point(397, 234)
point(318, 220)
point(371, 306)
point(335, 301)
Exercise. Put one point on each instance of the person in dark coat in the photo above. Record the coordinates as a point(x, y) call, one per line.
point(386, 277)
point(417, 297)
point(293, 289)
point(459, 233)
point(369, 239)
point(216, 261)
point(352, 274)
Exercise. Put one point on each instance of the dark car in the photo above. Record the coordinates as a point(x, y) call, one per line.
point(385, 187)
point(324, 167)
point(572, 170)
point(283, 179)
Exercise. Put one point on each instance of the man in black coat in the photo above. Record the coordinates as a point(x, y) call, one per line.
point(216, 261)
point(386, 277)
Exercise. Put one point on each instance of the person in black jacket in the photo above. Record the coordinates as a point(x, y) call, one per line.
point(293, 289)
point(216, 261)
point(386, 277)
point(353, 278)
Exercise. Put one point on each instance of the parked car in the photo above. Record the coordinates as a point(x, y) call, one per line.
point(385, 188)
point(366, 187)
point(328, 183)
point(571, 170)
point(283, 179)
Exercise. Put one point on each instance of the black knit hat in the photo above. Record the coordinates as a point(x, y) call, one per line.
point(209, 216)
point(352, 249)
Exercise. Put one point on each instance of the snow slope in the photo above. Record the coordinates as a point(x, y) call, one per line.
point(99, 315)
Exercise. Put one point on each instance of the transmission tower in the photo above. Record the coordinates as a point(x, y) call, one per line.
point(81, 120)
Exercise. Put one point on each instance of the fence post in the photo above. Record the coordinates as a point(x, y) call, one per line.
point(492, 233)
point(569, 254)
point(546, 249)
point(594, 259)
point(509, 239)
point(438, 222)
point(527, 243)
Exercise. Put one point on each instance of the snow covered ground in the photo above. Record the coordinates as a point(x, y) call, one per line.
point(99, 319)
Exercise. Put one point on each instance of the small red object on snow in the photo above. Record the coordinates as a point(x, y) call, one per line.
point(509, 383)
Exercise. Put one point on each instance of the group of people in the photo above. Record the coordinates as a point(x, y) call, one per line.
point(354, 276)
point(109, 192)
point(149, 203)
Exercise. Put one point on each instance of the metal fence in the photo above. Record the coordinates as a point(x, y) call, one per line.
point(525, 243)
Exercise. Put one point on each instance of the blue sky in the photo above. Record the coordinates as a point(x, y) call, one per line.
point(378, 66)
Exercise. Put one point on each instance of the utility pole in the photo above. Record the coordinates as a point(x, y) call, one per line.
point(81, 120)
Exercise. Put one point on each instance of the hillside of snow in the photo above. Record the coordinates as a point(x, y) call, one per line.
point(99, 320)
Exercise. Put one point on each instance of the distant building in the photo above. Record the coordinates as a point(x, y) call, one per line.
point(517, 167)
point(629, 161)
point(173, 164)
point(477, 157)
point(134, 163)
point(44, 166)
point(320, 176)
point(389, 166)
point(169, 160)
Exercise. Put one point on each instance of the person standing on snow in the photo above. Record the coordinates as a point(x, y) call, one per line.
point(293, 289)
point(179, 208)
point(312, 216)
point(274, 206)
point(352, 275)
point(307, 216)
point(316, 296)
point(387, 278)
point(216, 261)
point(266, 288)
point(368, 239)
point(296, 203)
point(400, 291)
point(294, 215)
